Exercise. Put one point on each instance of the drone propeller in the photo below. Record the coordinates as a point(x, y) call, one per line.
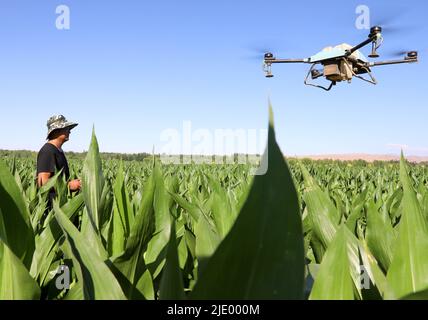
point(276, 46)
point(258, 53)
point(390, 21)
point(254, 57)
point(390, 29)
point(397, 53)
point(388, 25)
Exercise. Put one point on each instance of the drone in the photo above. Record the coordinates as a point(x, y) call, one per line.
point(342, 62)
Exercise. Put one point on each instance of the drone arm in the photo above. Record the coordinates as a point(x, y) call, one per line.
point(384, 63)
point(269, 60)
point(362, 44)
point(286, 60)
point(375, 38)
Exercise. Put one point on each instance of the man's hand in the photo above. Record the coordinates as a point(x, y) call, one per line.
point(74, 185)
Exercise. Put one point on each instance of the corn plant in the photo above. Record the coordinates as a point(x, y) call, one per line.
point(143, 230)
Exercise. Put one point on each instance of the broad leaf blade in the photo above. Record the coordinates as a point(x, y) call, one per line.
point(262, 256)
point(408, 272)
point(334, 280)
point(15, 227)
point(322, 213)
point(97, 281)
point(374, 271)
point(156, 248)
point(93, 182)
point(171, 286)
point(380, 236)
point(15, 280)
point(48, 239)
point(130, 268)
point(207, 240)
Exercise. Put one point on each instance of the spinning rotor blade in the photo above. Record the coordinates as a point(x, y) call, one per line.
point(391, 21)
point(389, 29)
point(277, 47)
point(254, 57)
point(397, 53)
point(258, 53)
point(402, 53)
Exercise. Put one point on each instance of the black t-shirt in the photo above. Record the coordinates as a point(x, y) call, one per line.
point(51, 159)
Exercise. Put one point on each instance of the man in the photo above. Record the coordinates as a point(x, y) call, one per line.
point(51, 157)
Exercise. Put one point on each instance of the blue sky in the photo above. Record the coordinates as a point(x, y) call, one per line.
point(135, 68)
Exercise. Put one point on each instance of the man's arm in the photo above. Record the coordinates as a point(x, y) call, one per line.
point(42, 178)
point(46, 167)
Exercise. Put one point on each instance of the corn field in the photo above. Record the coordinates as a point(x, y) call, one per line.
point(142, 230)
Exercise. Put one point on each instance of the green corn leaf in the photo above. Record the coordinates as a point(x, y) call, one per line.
point(191, 208)
point(92, 235)
point(421, 295)
point(15, 280)
point(356, 213)
point(93, 183)
point(171, 286)
point(183, 252)
point(15, 226)
point(262, 256)
point(408, 272)
point(207, 239)
point(145, 286)
point(122, 203)
point(424, 205)
point(75, 292)
point(380, 236)
point(334, 280)
point(377, 276)
point(50, 184)
point(116, 234)
point(223, 214)
point(129, 268)
point(323, 214)
point(156, 248)
point(97, 281)
point(48, 239)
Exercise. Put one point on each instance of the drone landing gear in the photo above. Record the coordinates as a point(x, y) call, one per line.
point(332, 83)
point(372, 79)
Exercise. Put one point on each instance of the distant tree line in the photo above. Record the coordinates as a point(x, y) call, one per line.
point(142, 156)
point(77, 155)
